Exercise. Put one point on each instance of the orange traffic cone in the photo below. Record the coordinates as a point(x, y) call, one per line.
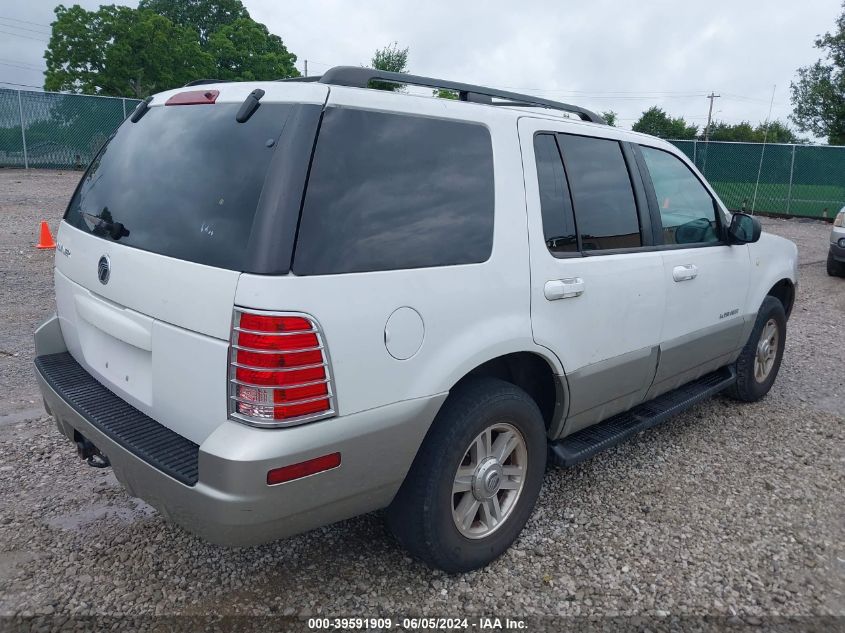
point(46, 240)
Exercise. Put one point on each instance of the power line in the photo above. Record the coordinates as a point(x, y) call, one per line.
point(26, 37)
point(20, 63)
point(10, 83)
point(22, 28)
point(32, 70)
point(24, 21)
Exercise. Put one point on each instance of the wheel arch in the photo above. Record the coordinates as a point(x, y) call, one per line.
point(784, 291)
point(533, 373)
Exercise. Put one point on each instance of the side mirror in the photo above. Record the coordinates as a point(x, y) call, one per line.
point(744, 229)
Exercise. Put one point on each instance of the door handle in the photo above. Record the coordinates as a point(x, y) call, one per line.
point(685, 272)
point(563, 288)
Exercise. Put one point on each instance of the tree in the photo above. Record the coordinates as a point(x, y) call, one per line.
point(393, 59)
point(609, 117)
point(721, 131)
point(203, 16)
point(656, 122)
point(242, 49)
point(443, 93)
point(774, 132)
point(778, 132)
point(245, 50)
point(818, 97)
point(119, 51)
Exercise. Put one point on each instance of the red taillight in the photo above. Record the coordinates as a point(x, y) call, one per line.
point(193, 97)
point(291, 341)
point(279, 372)
point(303, 469)
point(264, 323)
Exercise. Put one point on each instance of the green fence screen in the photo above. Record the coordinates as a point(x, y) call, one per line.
point(803, 180)
point(60, 131)
point(50, 130)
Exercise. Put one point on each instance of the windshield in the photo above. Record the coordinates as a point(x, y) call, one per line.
point(184, 181)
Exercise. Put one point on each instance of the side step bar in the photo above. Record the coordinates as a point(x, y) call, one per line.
point(586, 443)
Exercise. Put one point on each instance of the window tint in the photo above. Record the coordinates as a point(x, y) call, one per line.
point(686, 208)
point(555, 203)
point(183, 181)
point(390, 191)
point(605, 209)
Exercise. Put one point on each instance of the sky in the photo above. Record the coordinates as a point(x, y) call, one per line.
point(601, 54)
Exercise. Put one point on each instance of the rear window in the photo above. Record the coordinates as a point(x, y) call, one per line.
point(605, 208)
point(555, 202)
point(390, 191)
point(184, 181)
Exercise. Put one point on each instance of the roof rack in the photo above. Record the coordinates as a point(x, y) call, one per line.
point(309, 78)
point(357, 77)
point(202, 82)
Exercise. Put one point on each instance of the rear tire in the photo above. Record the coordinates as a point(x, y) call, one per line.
point(834, 268)
point(475, 480)
point(759, 362)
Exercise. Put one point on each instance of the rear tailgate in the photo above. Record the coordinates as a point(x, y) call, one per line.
point(168, 209)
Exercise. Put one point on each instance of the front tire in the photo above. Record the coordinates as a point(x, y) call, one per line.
point(759, 362)
point(475, 480)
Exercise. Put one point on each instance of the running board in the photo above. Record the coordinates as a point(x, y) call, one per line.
point(586, 443)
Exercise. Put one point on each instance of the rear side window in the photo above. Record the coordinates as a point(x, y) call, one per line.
point(686, 208)
point(602, 196)
point(183, 181)
point(390, 191)
point(555, 203)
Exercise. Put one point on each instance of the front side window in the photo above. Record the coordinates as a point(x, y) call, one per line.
point(687, 210)
point(390, 191)
point(602, 195)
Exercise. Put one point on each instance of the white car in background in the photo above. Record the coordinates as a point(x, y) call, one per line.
point(836, 254)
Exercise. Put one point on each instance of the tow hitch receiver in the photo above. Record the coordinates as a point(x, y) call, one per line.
point(90, 453)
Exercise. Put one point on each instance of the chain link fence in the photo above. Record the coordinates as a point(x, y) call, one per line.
point(802, 180)
point(50, 130)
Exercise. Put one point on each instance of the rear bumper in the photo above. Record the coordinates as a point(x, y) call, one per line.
point(230, 503)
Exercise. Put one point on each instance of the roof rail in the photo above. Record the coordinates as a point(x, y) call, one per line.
point(202, 82)
point(309, 78)
point(357, 77)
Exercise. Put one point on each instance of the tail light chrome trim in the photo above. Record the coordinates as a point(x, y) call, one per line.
point(290, 386)
point(276, 351)
point(235, 398)
point(246, 331)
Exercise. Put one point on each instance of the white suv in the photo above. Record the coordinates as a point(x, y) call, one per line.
point(282, 304)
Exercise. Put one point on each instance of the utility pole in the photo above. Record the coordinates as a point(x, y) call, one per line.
point(306, 67)
point(711, 96)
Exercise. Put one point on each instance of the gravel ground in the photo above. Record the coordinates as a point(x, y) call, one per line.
point(729, 510)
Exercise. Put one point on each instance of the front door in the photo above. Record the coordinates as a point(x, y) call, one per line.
point(707, 279)
point(597, 290)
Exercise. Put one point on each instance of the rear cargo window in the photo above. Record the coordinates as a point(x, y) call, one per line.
point(183, 181)
point(390, 191)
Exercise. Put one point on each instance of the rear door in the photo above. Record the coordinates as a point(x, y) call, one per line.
point(154, 241)
point(707, 280)
point(597, 296)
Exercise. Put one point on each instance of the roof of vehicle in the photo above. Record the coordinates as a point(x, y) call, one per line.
point(314, 89)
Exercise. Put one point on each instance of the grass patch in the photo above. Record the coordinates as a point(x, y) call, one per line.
point(815, 201)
